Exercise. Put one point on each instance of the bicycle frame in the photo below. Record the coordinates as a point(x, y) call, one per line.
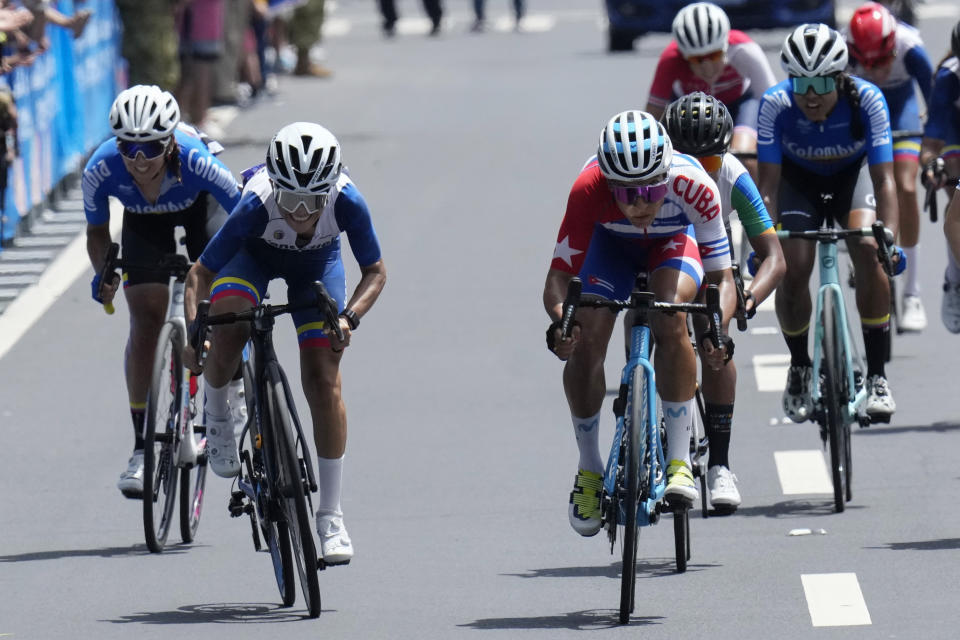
point(830, 280)
point(187, 451)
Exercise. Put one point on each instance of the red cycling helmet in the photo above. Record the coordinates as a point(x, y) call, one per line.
point(872, 34)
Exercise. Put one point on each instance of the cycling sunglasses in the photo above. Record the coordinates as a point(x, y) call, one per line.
point(290, 201)
point(150, 150)
point(648, 193)
point(711, 163)
point(821, 85)
point(714, 56)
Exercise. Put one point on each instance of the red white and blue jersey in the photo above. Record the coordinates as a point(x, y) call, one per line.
point(692, 200)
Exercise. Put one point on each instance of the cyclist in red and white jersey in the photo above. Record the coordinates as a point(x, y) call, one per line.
point(635, 207)
point(706, 55)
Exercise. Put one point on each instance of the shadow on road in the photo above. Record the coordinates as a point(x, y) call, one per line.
point(219, 613)
point(646, 568)
point(791, 508)
point(106, 552)
point(591, 619)
point(945, 544)
point(936, 427)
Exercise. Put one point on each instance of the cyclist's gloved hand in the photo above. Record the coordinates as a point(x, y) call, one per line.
point(752, 264)
point(566, 347)
point(934, 173)
point(95, 288)
point(899, 259)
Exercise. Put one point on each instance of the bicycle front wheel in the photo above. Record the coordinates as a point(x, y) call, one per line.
point(193, 480)
point(291, 482)
point(160, 438)
point(634, 428)
point(834, 398)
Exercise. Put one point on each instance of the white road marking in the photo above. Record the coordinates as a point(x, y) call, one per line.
point(835, 599)
point(34, 301)
point(770, 370)
point(536, 23)
point(333, 27)
point(802, 472)
point(764, 331)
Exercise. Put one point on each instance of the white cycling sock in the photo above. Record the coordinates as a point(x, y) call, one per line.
point(912, 286)
point(215, 399)
point(679, 421)
point(587, 431)
point(329, 480)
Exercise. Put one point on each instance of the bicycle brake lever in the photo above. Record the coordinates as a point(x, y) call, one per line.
point(328, 307)
point(570, 306)
point(107, 271)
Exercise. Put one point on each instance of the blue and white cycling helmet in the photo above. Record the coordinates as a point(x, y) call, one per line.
point(813, 50)
point(701, 28)
point(634, 147)
point(304, 158)
point(144, 113)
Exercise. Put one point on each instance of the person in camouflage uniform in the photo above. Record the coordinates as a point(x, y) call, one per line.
point(150, 42)
point(305, 33)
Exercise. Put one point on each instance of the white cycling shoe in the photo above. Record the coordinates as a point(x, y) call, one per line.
point(722, 488)
point(131, 480)
point(223, 456)
point(335, 544)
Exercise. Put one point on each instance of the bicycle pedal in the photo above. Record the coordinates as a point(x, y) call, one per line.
point(881, 419)
point(323, 564)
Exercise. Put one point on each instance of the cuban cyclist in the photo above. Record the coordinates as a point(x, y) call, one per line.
point(288, 225)
point(825, 149)
point(161, 170)
point(700, 125)
point(636, 206)
point(706, 55)
point(891, 55)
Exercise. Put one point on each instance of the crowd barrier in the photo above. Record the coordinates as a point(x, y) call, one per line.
point(62, 100)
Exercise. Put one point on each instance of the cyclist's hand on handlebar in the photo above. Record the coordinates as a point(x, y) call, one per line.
point(335, 343)
point(716, 357)
point(934, 174)
point(104, 292)
point(560, 346)
point(190, 359)
point(899, 260)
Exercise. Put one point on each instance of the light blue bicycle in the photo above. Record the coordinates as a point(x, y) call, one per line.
point(635, 477)
point(840, 396)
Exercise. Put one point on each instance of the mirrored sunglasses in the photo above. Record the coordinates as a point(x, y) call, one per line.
point(711, 163)
point(648, 193)
point(715, 56)
point(150, 150)
point(821, 85)
point(290, 201)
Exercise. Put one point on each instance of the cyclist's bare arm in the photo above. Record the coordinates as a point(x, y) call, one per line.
point(654, 110)
point(98, 241)
point(885, 191)
point(372, 279)
point(772, 267)
point(196, 288)
point(554, 293)
point(951, 225)
point(768, 183)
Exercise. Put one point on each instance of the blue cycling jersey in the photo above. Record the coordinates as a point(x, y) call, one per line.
point(257, 218)
point(105, 175)
point(944, 108)
point(823, 147)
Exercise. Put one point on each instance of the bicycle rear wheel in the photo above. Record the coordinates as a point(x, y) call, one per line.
point(160, 438)
point(834, 398)
point(292, 486)
point(634, 428)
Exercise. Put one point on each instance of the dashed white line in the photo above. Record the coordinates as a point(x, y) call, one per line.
point(770, 370)
point(802, 472)
point(835, 599)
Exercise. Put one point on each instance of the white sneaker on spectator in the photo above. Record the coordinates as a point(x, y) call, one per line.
point(131, 480)
point(335, 545)
point(950, 307)
point(722, 488)
point(223, 456)
point(912, 315)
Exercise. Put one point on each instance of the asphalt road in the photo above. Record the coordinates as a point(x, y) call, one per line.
point(460, 453)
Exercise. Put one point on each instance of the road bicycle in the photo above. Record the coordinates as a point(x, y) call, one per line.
point(277, 478)
point(174, 442)
point(634, 479)
point(839, 394)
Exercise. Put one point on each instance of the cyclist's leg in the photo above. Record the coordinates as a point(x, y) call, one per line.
point(744, 144)
point(950, 304)
point(872, 294)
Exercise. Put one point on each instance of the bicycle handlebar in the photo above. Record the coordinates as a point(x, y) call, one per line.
point(741, 314)
point(174, 265)
point(883, 236)
point(108, 271)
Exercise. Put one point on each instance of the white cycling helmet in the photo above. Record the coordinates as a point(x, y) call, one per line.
point(634, 147)
point(304, 158)
point(144, 113)
point(700, 28)
point(813, 50)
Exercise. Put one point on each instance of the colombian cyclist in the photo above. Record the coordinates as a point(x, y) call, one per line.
point(631, 209)
point(940, 158)
point(701, 126)
point(825, 148)
point(161, 170)
point(288, 225)
point(951, 289)
point(705, 55)
point(891, 55)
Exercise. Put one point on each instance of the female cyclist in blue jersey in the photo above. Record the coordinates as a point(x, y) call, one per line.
point(288, 225)
point(701, 126)
point(940, 158)
point(825, 150)
point(891, 55)
point(161, 172)
point(636, 206)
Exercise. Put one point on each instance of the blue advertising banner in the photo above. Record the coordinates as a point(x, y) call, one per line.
point(62, 100)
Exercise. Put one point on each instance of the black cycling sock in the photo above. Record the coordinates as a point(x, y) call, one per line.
point(138, 416)
point(875, 344)
point(799, 356)
point(719, 418)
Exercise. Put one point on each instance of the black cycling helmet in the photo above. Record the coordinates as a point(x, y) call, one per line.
point(698, 124)
point(955, 40)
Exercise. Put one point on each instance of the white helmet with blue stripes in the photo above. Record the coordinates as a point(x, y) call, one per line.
point(634, 147)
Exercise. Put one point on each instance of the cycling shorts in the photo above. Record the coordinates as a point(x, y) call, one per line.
point(147, 237)
point(904, 117)
point(806, 199)
point(745, 112)
point(613, 262)
point(247, 274)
